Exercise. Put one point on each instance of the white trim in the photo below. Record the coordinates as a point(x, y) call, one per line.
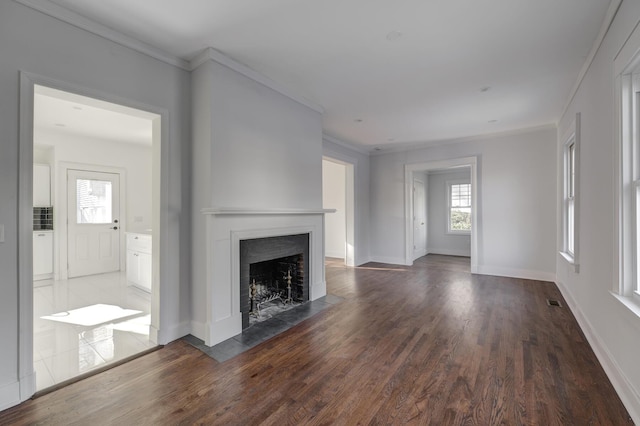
point(571, 137)
point(525, 274)
point(211, 54)
point(410, 146)
point(604, 29)
point(26, 369)
point(471, 162)
point(449, 252)
point(347, 145)
point(72, 18)
point(239, 211)
point(389, 260)
point(570, 260)
point(11, 394)
point(628, 394)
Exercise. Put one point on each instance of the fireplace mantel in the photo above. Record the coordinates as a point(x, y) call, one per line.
point(225, 228)
point(215, 211)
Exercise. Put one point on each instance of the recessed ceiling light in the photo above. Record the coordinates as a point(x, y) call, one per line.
point(492, 121)
point(358, 120)
point(60, 125)
point(394, 35)
point(79, 108)
point(485, 89)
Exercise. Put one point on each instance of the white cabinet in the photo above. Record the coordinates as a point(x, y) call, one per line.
point(42, 255)
point(41, 185)
point(139, 260)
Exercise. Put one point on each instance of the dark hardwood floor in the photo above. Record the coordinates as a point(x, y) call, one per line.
point(428, 344)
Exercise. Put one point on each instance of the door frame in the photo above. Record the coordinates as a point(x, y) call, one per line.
point(421, 251)
point(162, 262)
point(476, 228)
point(60, 218)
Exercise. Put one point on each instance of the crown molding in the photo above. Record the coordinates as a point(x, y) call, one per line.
point(211, 54)
point(604, 29)
point(247, 211)
point(79, 21)
point(411, 146)
point(347, 145)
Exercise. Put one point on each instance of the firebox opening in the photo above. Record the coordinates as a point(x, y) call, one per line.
point(275, 286)
point(274, 276)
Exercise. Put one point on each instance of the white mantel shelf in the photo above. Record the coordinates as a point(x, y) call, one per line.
point(218, 211)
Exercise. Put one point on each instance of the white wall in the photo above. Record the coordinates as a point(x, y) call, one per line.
point(45, 46)
point(516, 195)
point(440, 242)
point(334, 197)
point(360, 161)
point(613, 331)
point(253, 148)
point(135, 159)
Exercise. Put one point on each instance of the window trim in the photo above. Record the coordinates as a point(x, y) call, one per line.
point(627, 171)
point(570, 246)
point(449, 184)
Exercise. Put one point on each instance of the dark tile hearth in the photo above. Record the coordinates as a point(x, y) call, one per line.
point(263, 331)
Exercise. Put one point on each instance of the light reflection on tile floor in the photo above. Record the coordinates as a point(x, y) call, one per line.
point(62, 351)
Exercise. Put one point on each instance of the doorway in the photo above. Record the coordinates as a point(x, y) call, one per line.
point(338, 192)
point(100, 159)
point(413, 171)
point(419, 217)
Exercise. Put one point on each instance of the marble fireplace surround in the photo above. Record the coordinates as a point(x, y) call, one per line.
point(225, 228)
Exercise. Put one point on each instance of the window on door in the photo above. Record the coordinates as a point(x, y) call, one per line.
point(459, 207)
point(94, 201)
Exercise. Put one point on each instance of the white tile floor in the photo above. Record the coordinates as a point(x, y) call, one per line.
point(63, 350)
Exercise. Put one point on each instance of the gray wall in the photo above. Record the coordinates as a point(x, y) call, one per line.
point(516, 201)
point(610, 326)
point(440, 242)
point(42, 45)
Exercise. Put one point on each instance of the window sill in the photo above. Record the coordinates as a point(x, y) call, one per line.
point(571, 261)
point(632, 303)
point(461, 233)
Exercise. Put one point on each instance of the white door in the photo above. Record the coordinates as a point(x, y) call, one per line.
point(419, 219)
point(93, 228)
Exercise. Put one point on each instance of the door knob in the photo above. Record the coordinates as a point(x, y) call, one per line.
point(115, 227)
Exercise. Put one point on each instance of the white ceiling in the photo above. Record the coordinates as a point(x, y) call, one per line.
point(55, 111)
point(425, 84)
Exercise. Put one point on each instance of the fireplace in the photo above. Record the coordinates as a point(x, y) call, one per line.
point(273, 270)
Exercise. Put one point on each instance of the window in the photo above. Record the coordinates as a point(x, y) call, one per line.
point(628, 190)
point(93, 201)
point(459, 202)
point(570, 192)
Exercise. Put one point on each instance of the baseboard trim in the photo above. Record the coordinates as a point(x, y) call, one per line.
point(449, 252)
point(627, 393)
point(389, 260)
point(336, 254)
point(516, 273)
point(9, 395)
